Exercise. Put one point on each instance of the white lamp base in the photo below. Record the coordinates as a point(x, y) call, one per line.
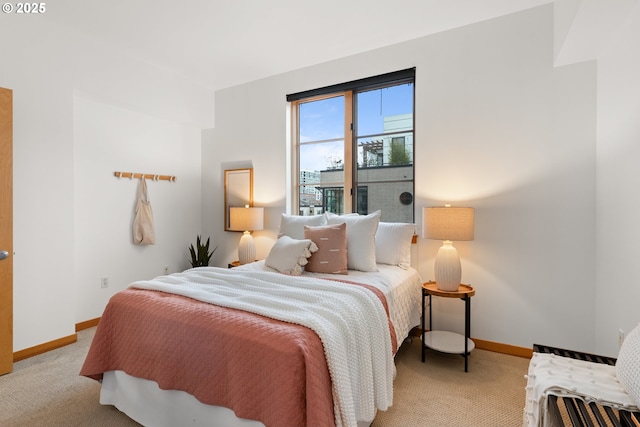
point(447, 267)
point(246, 249)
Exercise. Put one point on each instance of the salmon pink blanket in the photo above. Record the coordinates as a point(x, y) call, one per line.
point(264, 369)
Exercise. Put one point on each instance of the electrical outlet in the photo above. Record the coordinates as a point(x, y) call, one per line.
point(166, 269)
point(620, 337)
point(104, 282)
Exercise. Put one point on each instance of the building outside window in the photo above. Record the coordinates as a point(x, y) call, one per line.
point(354, 148)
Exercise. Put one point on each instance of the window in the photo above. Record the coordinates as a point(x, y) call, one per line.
point(354, 147)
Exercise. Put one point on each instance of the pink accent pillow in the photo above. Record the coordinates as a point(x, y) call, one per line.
point(331, 256)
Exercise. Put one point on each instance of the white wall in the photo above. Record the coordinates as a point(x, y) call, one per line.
point(66, 86)
point(107, 139)
point(497, 128)
point(618, 210)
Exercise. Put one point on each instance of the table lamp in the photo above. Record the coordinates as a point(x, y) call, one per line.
point(447, 223)
point(246, 219)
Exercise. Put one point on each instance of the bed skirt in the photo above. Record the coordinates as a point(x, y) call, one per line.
point(144, 402)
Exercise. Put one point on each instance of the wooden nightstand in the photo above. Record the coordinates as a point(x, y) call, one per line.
point(236, 264)
point(444, 341)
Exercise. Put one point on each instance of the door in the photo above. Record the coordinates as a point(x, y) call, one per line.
point(6, 231)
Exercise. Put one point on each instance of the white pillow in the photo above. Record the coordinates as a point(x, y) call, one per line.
point(293, 225)
point(393, 243)
point(361, 239)
point(289, 256)
point(628, 365)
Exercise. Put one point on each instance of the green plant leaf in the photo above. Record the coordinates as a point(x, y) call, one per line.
point(200, 255)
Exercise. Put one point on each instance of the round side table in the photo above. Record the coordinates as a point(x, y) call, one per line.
point(445, 341)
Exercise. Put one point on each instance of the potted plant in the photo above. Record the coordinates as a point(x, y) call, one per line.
point(200, 255)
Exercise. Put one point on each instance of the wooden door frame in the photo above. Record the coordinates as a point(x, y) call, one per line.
point(6, 230)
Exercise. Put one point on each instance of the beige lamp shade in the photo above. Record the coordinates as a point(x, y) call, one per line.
point(447, 223)
point(246, 219)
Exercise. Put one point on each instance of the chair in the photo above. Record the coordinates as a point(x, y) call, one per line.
point(565, 409)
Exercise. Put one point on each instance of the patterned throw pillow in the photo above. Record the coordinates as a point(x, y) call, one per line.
point(331, 256)
point(628, 365)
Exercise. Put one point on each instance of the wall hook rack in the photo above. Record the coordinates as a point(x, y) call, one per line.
point(154, 177)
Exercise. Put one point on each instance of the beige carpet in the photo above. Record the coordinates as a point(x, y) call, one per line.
point(46, 390)
point(438, 393)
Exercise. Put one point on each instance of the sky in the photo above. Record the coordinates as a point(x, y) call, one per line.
point(322, 120)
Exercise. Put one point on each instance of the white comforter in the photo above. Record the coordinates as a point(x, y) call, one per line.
point(401, 286)
point(350, 321)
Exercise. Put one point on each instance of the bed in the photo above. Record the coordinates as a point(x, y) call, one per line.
point(251, 346)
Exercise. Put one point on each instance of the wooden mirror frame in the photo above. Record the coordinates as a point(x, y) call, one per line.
point(238, 191)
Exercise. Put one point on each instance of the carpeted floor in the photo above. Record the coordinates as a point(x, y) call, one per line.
point(438, 393)
point(46, 390)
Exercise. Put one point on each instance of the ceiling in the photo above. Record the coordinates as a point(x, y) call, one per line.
point(222, 43)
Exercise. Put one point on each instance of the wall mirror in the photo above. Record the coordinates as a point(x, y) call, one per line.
point(238, 191)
